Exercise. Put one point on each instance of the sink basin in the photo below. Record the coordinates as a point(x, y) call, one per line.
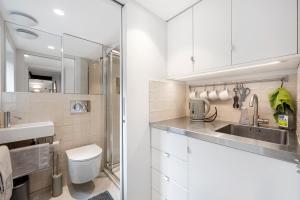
point(26, 132)
point(272, 135)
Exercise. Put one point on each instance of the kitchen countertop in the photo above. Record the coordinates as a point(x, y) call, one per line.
point(206, 131)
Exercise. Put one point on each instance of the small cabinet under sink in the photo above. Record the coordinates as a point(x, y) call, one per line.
point(220, 172)
point(277, 136)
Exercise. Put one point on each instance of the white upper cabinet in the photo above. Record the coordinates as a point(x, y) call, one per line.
point(263, 29)
point(180, 45)
point(212, 34)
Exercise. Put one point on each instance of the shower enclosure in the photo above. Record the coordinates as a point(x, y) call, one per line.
point(113, 100)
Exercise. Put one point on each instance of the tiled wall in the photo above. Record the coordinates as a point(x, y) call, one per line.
point(72, 130)
point(167, 100)
point(226, 112)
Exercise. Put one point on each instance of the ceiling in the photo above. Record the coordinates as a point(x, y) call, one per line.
point(95, 20)
point(37, 63)
point(166, 9)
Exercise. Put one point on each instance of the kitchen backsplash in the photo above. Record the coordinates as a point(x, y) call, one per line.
point(167, 100)
point(72, 130)
point(226, 112)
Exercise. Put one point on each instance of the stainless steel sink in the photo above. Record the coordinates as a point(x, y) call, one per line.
point(272, 135)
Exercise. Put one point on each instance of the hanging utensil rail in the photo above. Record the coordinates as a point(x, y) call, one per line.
point(282, 79)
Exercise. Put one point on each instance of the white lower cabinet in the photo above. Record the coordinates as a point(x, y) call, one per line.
point(210, 171)
point(166, 189)
point(217, 172)
point(169, 165)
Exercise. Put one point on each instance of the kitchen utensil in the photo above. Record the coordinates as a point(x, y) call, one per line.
point(236, 98)
point(213, 95)
point(224, 94)
point(244, 92)
point(204, 94)
point(192, 94)
point(199, 108)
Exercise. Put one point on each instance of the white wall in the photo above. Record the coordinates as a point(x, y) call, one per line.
point(21, 72)
point(145, 59)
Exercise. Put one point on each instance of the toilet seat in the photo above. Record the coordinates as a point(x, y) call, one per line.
point(84, 153)
point(84, 163)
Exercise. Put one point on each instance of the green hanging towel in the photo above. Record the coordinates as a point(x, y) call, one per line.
point(280, 99)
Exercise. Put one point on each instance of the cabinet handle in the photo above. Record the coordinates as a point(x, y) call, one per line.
point(232, 48)
point(166, 178)
point(297, 161)
point(167, 155)
point(192, 59)
point(188, 149)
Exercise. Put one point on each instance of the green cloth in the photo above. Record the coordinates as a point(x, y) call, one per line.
point(280, 99)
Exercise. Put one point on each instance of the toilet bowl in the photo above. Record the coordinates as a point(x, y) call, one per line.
point(84, 163)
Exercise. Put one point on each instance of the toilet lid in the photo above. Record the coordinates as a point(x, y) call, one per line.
point(84, 153)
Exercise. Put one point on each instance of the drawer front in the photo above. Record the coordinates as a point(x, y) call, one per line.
point(171, 143)
point(160, 139)
point(166, 188)
point(170, 166)
point(157, 196)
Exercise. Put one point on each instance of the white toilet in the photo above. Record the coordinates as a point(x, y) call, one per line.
point(84, 163)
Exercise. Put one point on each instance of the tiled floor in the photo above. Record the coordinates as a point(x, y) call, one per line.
point(84, 191)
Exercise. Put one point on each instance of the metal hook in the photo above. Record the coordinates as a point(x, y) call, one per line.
point(281, 83)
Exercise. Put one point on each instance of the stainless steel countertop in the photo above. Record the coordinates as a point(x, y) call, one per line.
point(206, 131)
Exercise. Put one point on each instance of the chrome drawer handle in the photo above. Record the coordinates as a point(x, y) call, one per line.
point(166, 178)
point(167, 155)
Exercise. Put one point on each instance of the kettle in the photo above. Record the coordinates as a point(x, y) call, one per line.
point(199, 108)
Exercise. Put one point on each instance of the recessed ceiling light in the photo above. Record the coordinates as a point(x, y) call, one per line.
point(51, 47)
point(26, 55)
point(59, 12)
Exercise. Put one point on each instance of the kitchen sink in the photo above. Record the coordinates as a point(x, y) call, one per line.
point(277, 136)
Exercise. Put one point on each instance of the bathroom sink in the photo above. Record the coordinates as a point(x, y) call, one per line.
point(26, 132)
point(272, 135)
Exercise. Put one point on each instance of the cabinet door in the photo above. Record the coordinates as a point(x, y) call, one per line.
point(212, 34)
point(263, 29)
point(219, 172)
point(180, 45)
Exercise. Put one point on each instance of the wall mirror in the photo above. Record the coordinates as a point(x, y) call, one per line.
point(83, 65)
point(61, 44)
point(32, 60)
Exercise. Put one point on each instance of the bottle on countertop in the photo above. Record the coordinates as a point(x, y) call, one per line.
point(244, 118)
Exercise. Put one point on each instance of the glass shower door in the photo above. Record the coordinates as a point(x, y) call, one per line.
point(113, 114)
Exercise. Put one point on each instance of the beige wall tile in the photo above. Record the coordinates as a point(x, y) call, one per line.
point(72, 130)
point(170, 100)
point(227, 113)
point(167, 100)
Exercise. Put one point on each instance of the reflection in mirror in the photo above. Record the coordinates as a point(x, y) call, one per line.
point(33, 60)
point(83, 66)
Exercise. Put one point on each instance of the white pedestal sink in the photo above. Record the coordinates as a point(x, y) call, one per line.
point(26, 132)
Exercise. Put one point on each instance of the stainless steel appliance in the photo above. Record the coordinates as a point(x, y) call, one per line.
point(199, 108)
